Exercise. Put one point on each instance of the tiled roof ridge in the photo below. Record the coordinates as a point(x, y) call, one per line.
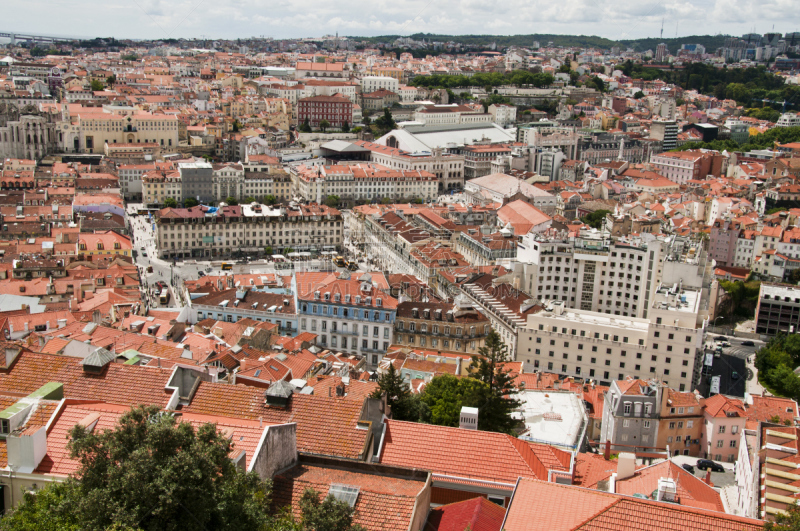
point(524, 450)
point(601, 511)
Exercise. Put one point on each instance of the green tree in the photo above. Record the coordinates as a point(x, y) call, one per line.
point(232, 201)
point(129, 57)
point(110, 80)
point(345, 127)
point(268, 250)
point(97, 85)
point(149, 473)
point(49, 509)
point(386, 122)
point(597, 83)
point(323, 125)
point(270, 199)
point(445, 396)
point(595, 219)
point(487, 367)
point(250, 199)
point(237, 126)
point(329, 514)
point(639, 95)
point(396, 389)
point(332, 201)
point(189, 202)
point(170, 202)
point(305, 127)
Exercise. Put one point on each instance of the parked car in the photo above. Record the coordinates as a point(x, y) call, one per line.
point(200, 274)
point(748, 344)
point(706, 464)
point(722, 338)
point(687, 467)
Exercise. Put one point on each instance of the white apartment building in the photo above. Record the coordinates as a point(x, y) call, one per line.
point(789, 119)
point(667, 345)
point(130, 179)
point(362, 181)
point(228, 181)
point(448, 168)
point(503, 114)
point(408, 94)
point(745, 243)
point(450, 114)
point(373, 83)
point(679, 167)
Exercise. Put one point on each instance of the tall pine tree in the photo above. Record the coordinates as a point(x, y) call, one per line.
point(397, 392)
point(495, 413)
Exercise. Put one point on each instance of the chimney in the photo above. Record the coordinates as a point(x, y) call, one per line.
point(469, 418)
point(708, 478)
point(26, 449)
point(626, 465)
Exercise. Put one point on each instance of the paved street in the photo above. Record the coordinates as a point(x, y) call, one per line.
point(737, 358)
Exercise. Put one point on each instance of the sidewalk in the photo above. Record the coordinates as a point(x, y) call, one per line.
point(752, 386)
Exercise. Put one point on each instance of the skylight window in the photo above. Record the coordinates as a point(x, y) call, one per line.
point(344, 493)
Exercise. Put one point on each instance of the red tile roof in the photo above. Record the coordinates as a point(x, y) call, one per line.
point(116, 384)
point(691, 491)
point(457, 452)
point(383, 503)
point(555, 507)
point(244, 434)
point(477, 514)
point(325, 426)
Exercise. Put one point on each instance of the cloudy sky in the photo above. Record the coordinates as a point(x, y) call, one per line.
point(615, 19)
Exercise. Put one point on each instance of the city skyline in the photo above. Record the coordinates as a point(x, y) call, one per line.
point(230, 19)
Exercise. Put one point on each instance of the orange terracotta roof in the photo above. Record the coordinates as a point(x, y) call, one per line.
point(325, 426)
point(451, 451)
point(555, 507)
point(383, 503)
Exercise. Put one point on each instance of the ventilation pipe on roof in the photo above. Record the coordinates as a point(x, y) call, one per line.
point(626, 465)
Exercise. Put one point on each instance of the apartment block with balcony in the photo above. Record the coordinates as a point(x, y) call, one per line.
point(630, 412)
point(348, 316)
point(236, 303)
point(457, 327)
point(202, 231)
point(778, 309)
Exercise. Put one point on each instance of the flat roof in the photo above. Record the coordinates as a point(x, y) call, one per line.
point(552, 417)
point(777, 291)
point(596, 318)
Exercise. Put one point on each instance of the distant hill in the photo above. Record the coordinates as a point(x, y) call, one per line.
point(711, 42)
